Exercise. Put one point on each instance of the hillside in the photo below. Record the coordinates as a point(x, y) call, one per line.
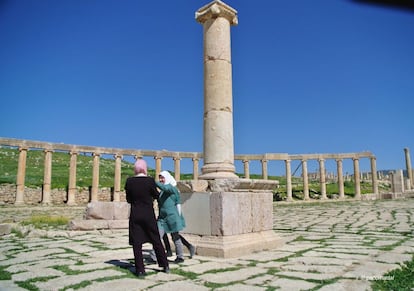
point(60, 169)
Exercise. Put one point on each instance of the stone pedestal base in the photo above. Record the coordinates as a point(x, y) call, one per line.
point(234, 245)
point(229, 217)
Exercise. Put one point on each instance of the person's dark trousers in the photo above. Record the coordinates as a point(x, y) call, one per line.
point(139, 263)
point(185, 242)
point(167, 245)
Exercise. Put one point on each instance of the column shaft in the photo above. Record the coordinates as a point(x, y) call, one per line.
point(374, 177)
point(72, 178)
point(218, 97)
point(47, 177)
point(339, 166)
point(195, 168)
point(246, 169)
point(357, 180)
point(288, 180)
point(177, 170)
point(264, 169)
point(117, 178)
point(305, 179)
point(95, 177)
point(408, 166)
point(21, 174)
point(322, 178)
point(157, 166)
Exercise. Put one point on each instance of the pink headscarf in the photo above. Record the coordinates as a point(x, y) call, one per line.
point(140, 167)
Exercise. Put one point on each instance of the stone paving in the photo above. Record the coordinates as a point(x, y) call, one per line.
point(329, 246)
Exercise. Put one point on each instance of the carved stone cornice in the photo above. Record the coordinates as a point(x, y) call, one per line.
point(216, 9)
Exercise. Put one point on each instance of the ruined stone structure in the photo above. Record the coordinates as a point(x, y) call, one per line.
point(74, 195)
point(227, 216)
point(216, 19)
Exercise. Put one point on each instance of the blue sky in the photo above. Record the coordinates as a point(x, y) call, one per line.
point(322, 76)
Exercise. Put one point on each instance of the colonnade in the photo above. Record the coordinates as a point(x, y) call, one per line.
point(118, 154)
point(321, 158)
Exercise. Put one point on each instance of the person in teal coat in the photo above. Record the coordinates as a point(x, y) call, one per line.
point(170, 219)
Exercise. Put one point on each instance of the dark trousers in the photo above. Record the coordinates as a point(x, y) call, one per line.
point(167, 242)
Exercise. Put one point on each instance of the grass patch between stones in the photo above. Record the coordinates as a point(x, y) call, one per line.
point(45, 221)
point(4, 275)
point(28, 284)
point(399, 279)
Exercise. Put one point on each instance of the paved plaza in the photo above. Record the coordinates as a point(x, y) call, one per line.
point(329, 246)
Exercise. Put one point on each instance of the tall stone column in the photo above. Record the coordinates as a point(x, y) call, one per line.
point(288, 180)
point(246, 169)
point(216, 19)
point(264, 169)
point(195, 168)
point(117, 178)
point(21, 174)
point(305, 179)
point(374, 176)
point(177, 169)
point(322, 178)
point(157, 166)
point(225, 216)
point(408, 166)
point(357, 180)
point(47, 177)
point(339, 166)
point(95, 177)
point(72, 178)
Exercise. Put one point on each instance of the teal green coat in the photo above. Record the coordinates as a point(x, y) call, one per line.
point(168, 218)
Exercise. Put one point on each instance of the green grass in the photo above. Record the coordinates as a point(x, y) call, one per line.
point(45, 221)
point(400, 279)
point(4, 275)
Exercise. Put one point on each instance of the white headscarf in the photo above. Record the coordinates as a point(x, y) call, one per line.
point(168, 178)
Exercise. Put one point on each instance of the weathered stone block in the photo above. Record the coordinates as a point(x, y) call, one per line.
point(107, 210)
point(88, 224)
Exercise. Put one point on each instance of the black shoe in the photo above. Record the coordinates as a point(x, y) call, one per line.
point(166, 269)
point(169, 254)
point(179, 260)
point(192, 251)
point(140, 274)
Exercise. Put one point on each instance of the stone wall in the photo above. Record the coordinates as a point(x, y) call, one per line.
point(33, 196)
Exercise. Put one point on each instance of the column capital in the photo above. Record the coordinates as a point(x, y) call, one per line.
point(157, 158)
point(339, 160)
point(195, 159)
point(23, 148)
point(216, 9)
point(176, 158)
point(117, 156)
point(245, 161)
point(96, 154)
point(48, 150)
